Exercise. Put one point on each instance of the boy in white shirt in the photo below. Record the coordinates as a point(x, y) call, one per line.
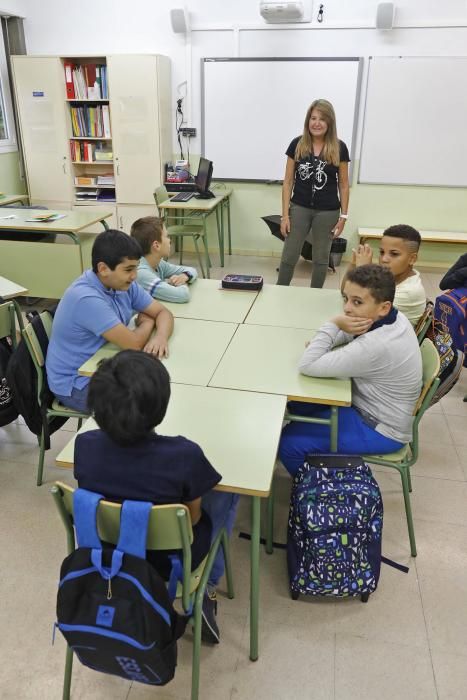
point(160, 278)
point(398, 252)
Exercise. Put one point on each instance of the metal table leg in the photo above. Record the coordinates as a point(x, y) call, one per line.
point(254, 575)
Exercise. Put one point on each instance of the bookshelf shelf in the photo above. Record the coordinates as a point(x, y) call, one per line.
point(95, 187)
point(91, 138)
point(82, 100)
point(92, 162)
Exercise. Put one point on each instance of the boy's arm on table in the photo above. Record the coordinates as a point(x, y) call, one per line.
point(345, 361)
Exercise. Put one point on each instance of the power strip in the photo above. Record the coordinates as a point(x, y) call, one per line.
point(188, 131)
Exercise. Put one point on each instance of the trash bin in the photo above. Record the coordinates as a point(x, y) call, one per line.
point(338, 248)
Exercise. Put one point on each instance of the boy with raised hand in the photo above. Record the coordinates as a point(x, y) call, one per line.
point(398, 252)
point(374, 345)
point(160, 278)
point(126, 459)
point(96, 309)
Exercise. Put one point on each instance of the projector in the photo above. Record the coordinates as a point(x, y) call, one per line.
point(277, 12)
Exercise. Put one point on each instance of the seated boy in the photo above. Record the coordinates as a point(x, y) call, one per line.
point(377, 348)
point(398, 252)
point(160, 278)
point(96, 309)
point(456, 276)
point(126, 459)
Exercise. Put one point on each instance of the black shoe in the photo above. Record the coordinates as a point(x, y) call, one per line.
point(209, 629)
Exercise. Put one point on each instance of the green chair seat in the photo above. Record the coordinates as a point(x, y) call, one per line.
point(59, 407)
point(398, 456)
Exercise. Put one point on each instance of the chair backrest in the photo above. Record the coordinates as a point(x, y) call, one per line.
point(424, 322)
point(430, 363)
point(7, 320)
point(32, 341)
point(160, 195)
point(169, 525)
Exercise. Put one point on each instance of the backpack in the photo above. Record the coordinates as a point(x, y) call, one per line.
point(449, 324)
point(113, 608)
point(335, 528)
point(8, 412)
point(22, 379)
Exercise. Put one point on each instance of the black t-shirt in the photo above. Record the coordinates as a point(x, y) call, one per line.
point(316, 180)
point(158, 469)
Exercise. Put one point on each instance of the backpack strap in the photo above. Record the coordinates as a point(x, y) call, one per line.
point(85, 517)
point(134, 521)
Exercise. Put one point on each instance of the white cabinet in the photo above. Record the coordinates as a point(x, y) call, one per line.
point(127, 214)
point(64, 135)
point(39, 86)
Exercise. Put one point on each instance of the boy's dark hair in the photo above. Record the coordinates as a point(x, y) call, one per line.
point(408, 234)
point(147, 230)
point(128, 395)
point(112, 246)
point(379, 280)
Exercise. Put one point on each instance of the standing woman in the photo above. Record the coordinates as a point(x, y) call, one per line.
point(315, 193)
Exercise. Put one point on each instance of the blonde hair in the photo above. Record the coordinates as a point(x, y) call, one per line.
point(331, 143)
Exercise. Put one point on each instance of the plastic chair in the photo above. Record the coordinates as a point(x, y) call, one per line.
point(169, 529)
point(424, 322)
point(10, 315)
point(56, 409)
point(178, 232)
point(406, 457)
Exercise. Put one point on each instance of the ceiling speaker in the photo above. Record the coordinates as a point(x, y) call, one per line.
point(385, 15)
point(179, 21)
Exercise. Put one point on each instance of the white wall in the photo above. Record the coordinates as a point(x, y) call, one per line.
point(69, 27)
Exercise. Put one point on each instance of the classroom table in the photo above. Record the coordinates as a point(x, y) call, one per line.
point(195, 350)
point(209, 302)
point(294, 307)
point(9, 290)
point(196, 209)
point(265, 358)
point(7, 199)
point(456, 238)
point(48, 268)
point(239, 433)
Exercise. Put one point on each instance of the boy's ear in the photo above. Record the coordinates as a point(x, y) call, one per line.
point(155, 246)
point(384, 308)
point(413, 258)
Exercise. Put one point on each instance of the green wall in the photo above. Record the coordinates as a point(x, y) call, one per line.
point(432, 208)
point(10, 181)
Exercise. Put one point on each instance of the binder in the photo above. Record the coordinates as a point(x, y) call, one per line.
point(70, 88)
point(106, 120)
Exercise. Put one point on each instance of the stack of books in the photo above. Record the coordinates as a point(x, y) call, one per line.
point(91, 121)
point(106, 179)
point(103, 154)
point(86, 82)
point(86, 180)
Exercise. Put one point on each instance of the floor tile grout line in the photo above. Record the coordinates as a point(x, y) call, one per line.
point(426, 630)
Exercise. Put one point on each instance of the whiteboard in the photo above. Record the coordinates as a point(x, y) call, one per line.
point(252, 108)
point(415, 122)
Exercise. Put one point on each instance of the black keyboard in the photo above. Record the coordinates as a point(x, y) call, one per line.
point(182, 197)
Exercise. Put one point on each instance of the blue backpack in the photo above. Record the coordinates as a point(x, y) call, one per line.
point(335, 528)
point(449, 325)
point(113, 608)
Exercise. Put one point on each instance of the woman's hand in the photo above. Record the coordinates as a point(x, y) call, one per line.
point(338, 228)
point(285, 225)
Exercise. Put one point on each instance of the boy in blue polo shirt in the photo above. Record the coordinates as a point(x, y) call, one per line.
point(96, 309)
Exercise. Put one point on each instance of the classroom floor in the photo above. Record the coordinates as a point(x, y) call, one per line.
point(409, 641)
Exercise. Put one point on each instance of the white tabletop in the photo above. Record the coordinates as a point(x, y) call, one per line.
point(195, 350)
point(9, 290)
point(265, 359)
point(294, 307)
point(72, 222)
point(209, 302)
point(238, 431)
point(201, 205)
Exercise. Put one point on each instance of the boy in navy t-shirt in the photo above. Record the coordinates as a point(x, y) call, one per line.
point(126, 459)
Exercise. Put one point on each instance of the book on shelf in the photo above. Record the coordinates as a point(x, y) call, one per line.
point(93, 122)
point(103, 154)
point(86, 82)
point(86, 180)
point(106, 179)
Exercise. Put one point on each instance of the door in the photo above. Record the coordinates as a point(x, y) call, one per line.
point(40, 94)
point(134, 114)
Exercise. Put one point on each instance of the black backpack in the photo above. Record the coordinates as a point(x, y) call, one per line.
point(8, 412)
point(21, 377)
point(113, 608)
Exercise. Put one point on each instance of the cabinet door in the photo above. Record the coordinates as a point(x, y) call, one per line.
point(134, 114)
point(40, 94)
point(127, 214)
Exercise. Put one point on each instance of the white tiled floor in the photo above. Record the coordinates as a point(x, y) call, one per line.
point(409, 641)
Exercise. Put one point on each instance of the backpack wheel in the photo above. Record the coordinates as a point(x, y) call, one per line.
point(294, 595)
point(364, 597)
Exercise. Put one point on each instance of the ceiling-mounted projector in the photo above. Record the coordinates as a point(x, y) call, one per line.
point(277, 12)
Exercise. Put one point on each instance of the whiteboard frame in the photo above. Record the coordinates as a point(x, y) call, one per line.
point(394, 183)
point(283, 59)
